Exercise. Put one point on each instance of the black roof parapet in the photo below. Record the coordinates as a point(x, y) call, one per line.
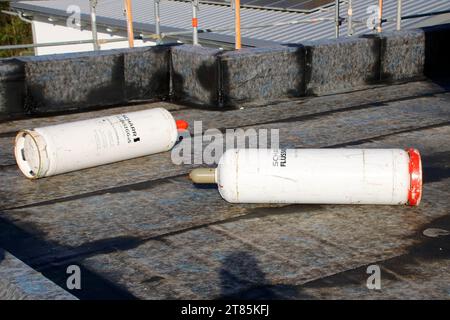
point(437, 51)
point(215, 78)
point(12, 86)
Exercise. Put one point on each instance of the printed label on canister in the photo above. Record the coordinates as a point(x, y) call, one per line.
point(115, 131)
point(279, 158)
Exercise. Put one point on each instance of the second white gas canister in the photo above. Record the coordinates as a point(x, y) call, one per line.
point(321, 176)
point(51, 150)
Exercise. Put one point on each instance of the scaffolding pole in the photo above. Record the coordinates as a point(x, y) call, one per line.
point(129, 14)
point(336, 18)
point(237, 24)
point(157, 20)
point(55, 44)
point(399, 15)
point(350, 18)
point(380, 16)
point(257, 26)
point(276, 24)
point(93, 5)
point(195, 22)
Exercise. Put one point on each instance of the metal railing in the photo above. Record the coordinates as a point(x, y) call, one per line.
point(159, 36)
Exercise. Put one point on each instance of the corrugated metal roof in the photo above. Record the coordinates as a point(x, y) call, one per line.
point(176, 14)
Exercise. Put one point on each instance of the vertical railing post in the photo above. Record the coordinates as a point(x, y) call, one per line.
point(237, 24)
point(380, 16)
point(194, 22)
point(399, 15)
point(157, 20)
point(129, 13)
point(350, 18)
point(93, 5)
point(336, 18)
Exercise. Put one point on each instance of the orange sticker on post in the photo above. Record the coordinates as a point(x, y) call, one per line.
point(195, 22)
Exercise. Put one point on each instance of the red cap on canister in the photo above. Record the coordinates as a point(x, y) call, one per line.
point(182, 125)
point(415, 173)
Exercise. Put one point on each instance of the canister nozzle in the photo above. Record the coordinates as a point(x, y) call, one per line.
point(203, 175)
point(181, 125)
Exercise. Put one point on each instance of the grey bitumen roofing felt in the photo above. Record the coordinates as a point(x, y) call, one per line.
point(176, 15)
point(20, 282)
point(140, 229)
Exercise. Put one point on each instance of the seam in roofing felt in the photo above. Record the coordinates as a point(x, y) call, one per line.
point(353, 108)
point(143, 185)
point(361, 141)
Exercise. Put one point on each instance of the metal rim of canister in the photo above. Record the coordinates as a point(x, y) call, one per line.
point(415, 173)
point(26, 170)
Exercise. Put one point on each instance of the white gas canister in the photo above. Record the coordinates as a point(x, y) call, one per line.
point(52, 150)
point(317, 176)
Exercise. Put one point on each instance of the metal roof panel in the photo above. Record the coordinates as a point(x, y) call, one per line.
point(177, 15)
